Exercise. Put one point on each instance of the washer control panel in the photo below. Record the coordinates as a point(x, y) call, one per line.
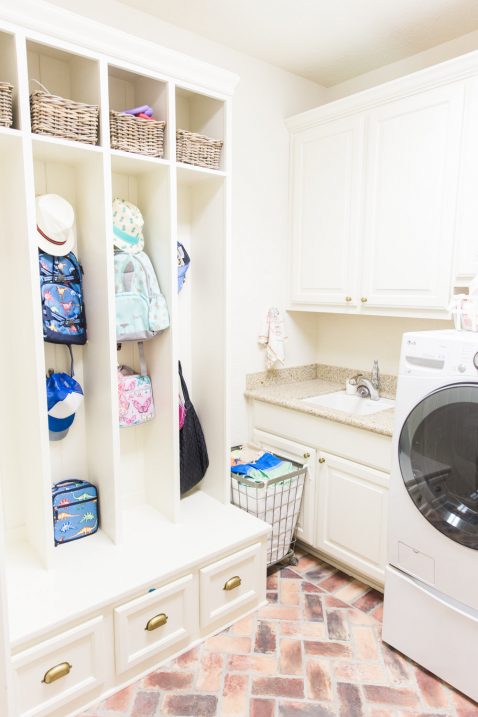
point(448, 352)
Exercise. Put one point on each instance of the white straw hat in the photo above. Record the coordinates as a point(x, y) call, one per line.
point(55, 224)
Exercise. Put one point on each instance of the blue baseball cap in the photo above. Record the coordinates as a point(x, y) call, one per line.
point(64, 397)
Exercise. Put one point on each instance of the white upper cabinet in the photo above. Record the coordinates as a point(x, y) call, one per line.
point(411, 186)
point(383, 211)
point(326, 203)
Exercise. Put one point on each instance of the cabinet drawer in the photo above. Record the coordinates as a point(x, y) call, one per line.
point(78, 657)
point(154, 622)
point(216, 600)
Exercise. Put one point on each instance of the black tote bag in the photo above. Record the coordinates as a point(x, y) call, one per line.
point(193, 458)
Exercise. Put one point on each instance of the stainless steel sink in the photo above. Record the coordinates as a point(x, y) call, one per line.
point(351, 404)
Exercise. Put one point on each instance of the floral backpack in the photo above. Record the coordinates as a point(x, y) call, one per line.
point(141, 310)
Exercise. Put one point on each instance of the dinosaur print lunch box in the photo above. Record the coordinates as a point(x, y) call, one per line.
point(75, 510)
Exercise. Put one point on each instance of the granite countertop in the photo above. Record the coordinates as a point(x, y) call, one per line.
point(286, 388)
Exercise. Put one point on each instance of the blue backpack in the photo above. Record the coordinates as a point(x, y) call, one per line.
point(63, 311)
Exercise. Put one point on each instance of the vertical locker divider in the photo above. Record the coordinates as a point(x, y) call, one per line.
point(174, 308)
point(159, 434)
point(112, 496)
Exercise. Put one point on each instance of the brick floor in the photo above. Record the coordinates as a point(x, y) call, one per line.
point(314, 651)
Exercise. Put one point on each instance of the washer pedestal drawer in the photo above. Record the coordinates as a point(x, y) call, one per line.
point(59, 670)
point(230, 584)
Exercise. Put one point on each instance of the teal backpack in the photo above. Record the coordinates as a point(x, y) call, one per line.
point(141, 310)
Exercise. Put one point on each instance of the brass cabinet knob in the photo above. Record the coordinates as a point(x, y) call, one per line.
point(306, 455)
point(55, 673)
point(363, 299)
point(156, 621)
point(321, 460)
point(232, 583)
point(348, 298)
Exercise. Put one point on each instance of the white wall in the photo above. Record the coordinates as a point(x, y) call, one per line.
point(264, 97)
point(355, 341)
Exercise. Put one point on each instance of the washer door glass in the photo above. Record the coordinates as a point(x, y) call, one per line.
point(438, 456)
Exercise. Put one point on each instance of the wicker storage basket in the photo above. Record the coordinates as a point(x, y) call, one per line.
point(135, 134)
point(6, 114)
point(59, 117)
point(193, 148)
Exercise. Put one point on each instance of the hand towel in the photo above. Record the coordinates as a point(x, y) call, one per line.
point(273, 338)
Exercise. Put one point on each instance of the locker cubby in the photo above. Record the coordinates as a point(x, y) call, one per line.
point(202, 316)
point(199, 113)
point(23, 455)
point(9, 72)
point(148, 452)
point(88, 450)
point(127, 90)
point(66, 74)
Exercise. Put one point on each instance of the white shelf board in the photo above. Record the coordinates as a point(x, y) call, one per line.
point(10, 132)
point(131, 163)
point(152, 551)
point(190, 174)
point(63, 150)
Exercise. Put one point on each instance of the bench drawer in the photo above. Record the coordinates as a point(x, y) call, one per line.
point(154, 622)
point(59, 670)
point(231, 584)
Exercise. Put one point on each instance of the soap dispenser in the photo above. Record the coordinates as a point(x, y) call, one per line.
point(375, 377)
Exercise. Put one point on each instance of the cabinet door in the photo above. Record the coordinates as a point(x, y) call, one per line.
point(411, 186)
point(305, 529)
point(326, 172)
point(352, 514)
point(467, 211)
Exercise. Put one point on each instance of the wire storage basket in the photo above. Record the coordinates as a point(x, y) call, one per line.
point(197, 149)
point(136, 134)
point(276, 501)
point(6, 103)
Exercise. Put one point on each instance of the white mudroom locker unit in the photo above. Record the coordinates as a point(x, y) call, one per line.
point(159, 558)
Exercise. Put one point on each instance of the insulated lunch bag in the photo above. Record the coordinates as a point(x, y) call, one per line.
point(61, 287)
point(141, 310)
point(75, 510)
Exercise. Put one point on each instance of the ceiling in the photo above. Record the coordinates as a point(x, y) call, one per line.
point(327, 41)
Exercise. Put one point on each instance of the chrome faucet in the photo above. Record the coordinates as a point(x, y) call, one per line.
point(370, 388)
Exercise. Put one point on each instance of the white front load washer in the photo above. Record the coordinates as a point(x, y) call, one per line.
point(431, 585)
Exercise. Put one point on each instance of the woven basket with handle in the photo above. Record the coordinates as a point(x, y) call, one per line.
point(6, 114)
point(194, 148)
point(136, 134)
point(60, 117)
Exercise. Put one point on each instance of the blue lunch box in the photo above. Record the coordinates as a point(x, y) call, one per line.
point(75, 510)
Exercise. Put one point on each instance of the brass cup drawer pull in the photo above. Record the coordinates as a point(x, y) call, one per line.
point(306, 455)
point(55, 673)
point(321, 460)
point(232, 583)
point(363, 299)
point(348, 299)
point(156, 621)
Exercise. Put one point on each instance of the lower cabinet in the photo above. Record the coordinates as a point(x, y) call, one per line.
point(344, 504)
point(352, 514)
